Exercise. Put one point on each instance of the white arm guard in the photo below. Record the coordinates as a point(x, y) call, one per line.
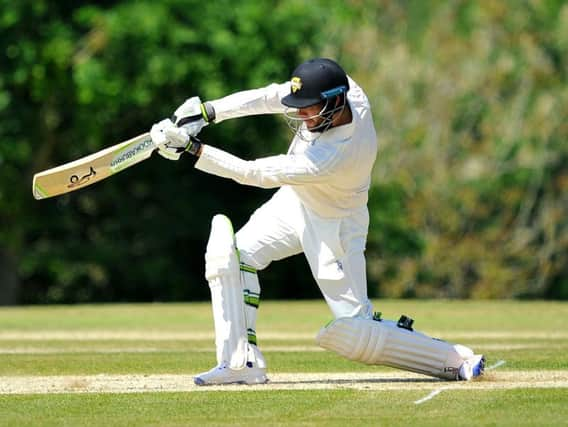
point(384, 343)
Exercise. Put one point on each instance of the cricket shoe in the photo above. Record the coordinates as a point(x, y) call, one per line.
point(222, 374)
point(472, 367)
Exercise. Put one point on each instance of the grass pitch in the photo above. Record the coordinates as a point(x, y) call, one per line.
point(132, 365)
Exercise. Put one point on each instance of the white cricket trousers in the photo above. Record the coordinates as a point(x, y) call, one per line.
point(334, 248)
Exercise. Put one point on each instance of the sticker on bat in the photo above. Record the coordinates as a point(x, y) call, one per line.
point(131, 154)
point(75, 181)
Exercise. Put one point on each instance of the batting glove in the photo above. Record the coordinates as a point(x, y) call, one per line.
point(193, 115)
point(172, 141)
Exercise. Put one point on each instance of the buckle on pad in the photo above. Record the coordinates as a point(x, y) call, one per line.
point(405, 322)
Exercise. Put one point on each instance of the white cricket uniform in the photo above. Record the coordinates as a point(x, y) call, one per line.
point(321, 206)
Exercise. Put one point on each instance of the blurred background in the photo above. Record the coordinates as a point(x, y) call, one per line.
point(470, 99)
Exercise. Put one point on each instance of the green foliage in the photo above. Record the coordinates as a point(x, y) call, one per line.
point(470, 100)
point(82, 77)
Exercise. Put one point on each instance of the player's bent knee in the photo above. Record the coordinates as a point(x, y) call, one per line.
point(221, 258)
point(388, 343)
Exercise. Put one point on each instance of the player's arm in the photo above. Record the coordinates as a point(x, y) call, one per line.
point(264, 100)
point(193, 115)
point(317, 164)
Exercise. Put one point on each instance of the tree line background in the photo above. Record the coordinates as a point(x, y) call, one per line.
point(470, 101)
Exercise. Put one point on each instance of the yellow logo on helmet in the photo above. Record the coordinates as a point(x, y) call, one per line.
point(296, 84)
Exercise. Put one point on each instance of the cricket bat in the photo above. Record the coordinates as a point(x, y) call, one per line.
point(93, 168)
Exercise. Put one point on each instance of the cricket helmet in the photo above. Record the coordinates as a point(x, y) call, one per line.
point(316, 81)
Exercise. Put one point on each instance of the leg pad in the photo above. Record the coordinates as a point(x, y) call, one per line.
point(223, 274)
point(384, 343)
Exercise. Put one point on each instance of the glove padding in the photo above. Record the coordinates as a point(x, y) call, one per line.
point(173, 137)
point(171, 140)
point(193, 115)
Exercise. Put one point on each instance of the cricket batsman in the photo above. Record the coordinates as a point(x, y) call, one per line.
point(319, 209)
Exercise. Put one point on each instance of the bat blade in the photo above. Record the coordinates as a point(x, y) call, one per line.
point(93, 168)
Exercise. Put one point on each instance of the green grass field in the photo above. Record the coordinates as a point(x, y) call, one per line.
point(131, 365)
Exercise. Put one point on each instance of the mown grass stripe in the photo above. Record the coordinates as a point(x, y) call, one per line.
point(164, 335)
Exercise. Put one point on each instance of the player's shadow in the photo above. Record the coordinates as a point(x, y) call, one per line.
point(347, 381)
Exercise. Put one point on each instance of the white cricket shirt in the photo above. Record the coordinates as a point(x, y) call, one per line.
point(331, 173)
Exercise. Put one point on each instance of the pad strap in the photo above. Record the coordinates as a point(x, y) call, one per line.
point(251, 295)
